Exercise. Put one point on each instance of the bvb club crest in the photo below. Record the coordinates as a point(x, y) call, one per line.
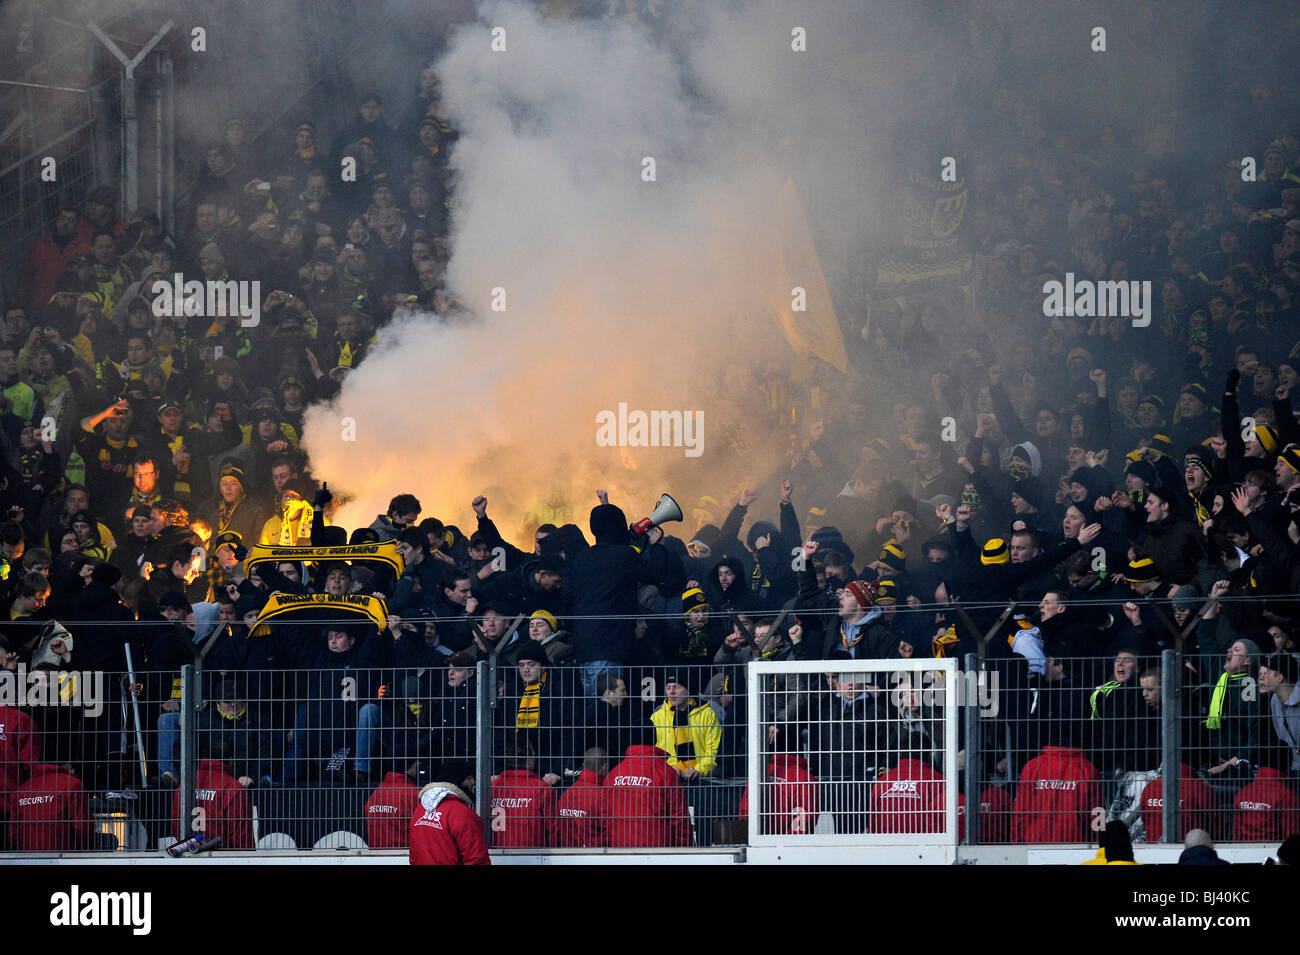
point(947, 214)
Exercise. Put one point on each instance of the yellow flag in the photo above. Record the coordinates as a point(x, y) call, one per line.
point(793, 288)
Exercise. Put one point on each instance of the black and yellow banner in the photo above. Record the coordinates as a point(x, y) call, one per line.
point(325, 607)
point(384, 553)
point(929, 244)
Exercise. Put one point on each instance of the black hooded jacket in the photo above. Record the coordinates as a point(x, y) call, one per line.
point(1175, 546)
point(772, 578)
point(101, 645)
point(602, 583)
point(737, 597)
point(534, 596)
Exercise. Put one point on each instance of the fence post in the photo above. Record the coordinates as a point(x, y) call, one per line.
point(167, 211)
point(1171, 764)
point(482, 751)
point(971, 726)
point(130, 122)
point(754, 759)
point(189, 707)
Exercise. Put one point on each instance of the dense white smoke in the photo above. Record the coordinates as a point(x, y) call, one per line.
point(654, 294)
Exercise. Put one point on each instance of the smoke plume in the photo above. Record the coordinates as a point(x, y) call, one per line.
point(617, 290)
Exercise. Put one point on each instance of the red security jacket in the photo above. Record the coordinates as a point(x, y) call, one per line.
point(994, 817)
point(584, 813)
point(51, 812)
point(647, 805)
point(1268, 810)
point(445, 830)
point(523, 811)
point(1196, 805)
point(227, 810)
point(20, 751)
point(389, 811)
point(791, 794)
point(1058, 791)
point(908, 798)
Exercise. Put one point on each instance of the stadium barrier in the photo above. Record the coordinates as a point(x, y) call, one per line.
point(832, 753)
point(1078, 742)
point(629, 757)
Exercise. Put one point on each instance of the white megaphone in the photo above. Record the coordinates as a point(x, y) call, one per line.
point(664, 511)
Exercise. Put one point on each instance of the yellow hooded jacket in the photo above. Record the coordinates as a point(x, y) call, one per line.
point(693, 745)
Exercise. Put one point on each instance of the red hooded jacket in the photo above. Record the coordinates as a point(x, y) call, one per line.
point(445, 830)
point(1268, 810)
point(20, 751)
point(51, 812)
point(1197, 806)
point(389, 811)
point(1058, 791)
point(227, 810)
point(908, 798)
point(647, 805)
point(584, 813)
point(523, 811)
point(43, 266)
point(792, 797)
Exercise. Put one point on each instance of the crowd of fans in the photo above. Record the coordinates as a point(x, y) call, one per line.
point(1123, 489)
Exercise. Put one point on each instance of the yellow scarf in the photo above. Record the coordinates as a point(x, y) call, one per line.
point(1105, 690)
point(294, 517)
point(1202, 514)
point(175, 446)
point(226, 514)
point(526, 718)
point(138, 499)
point(944, 644)
point(1219, 697)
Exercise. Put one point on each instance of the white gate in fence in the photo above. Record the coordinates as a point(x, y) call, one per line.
point(853, 753)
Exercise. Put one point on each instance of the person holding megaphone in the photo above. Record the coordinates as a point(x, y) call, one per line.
point(603, 582)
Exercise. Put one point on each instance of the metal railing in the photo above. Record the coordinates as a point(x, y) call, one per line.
point(1092, 739)
point(636, 756)
point(850, 752)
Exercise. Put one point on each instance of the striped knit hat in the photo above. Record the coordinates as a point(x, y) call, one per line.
point(693, 600)
point(1267, 438)
point(995, 551)
point(892, 556)
point(887, 591)
point(1141, 571)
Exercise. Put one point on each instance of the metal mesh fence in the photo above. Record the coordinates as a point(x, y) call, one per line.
point(594, 756)
point(599, 756)
point(69, 764)
point(51, 125)
point(1078, 742)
